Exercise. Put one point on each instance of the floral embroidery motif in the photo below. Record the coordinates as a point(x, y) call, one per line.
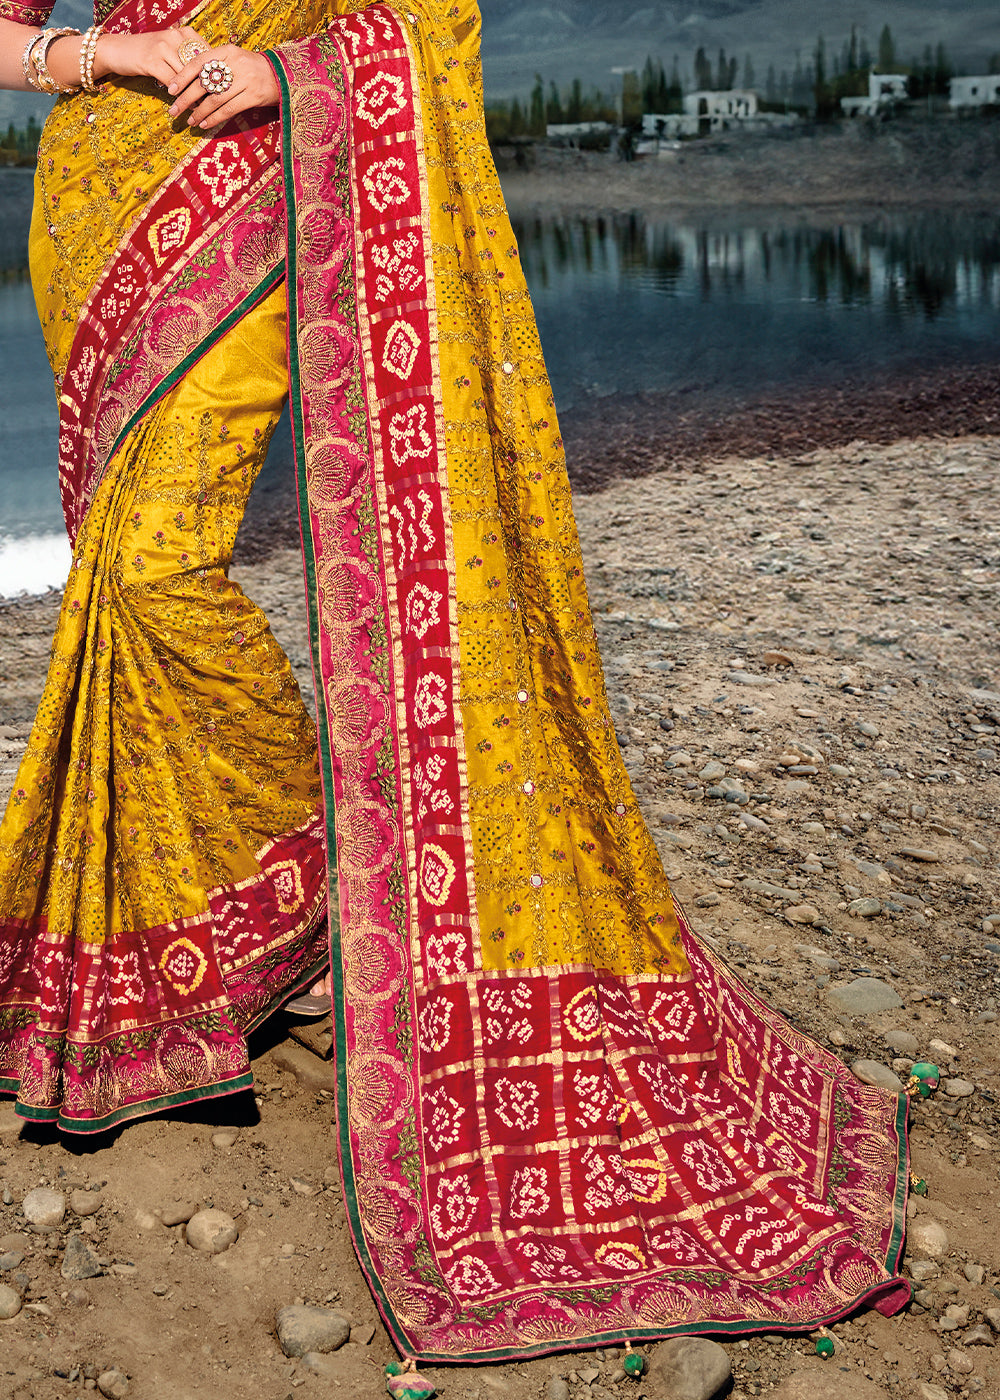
point(711, 1170)
point(430, 701)
point(380, 98)
point(184, 965)
point(582, 1015)
point(422, 610)
point(288, 886)
point(435, 1024)
point(529, 1193)
point(444, 953)
point(454, 1209)
point(437, 875)
point(402, 345)
point(517, 1103)
point(225, 171)
point(443, 1119)
point(408, 435)
point(385, 184)
point(470, 1278)
point(168, 233)
point(619, 1254)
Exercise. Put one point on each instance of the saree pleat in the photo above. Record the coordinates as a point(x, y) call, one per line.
point(560, 1119)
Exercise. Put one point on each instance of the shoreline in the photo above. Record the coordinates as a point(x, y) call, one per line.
point(624, 438)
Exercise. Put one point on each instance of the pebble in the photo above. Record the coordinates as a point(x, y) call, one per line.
point(44, 1209)
point(754, 823)
point(864, 908)
point(903, 1042)
point(212, 1231)
point(927, 1391)
point(712, 770)
point(871, 1072)
point(928, 1236)
point(747, 678)
point(11, 1259)
point(777, 658)
point(363, 1334)
point(959, 1088)
point(325, 1366)
point(225, 1138)
point(803, 914)
point(113, 1384)
point(960, 1363)
point(10, 1301)
point(864, 997)
point(942, 1049)
point(79, 1260)
point(689, 1368)
point(178, 1212)
point(301, 1329)
point(865, 727)
point(921, 1270)
point(919, 853)
point(837, 770)
point(974, 1273)
point(588, 1375)
point(979, 1336)
point(85, 1203)
point(992, 1316)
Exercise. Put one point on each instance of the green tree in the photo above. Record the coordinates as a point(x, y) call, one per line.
point(631, 99)
point(554, 109)
point(517, 124)
point(574, 103)
point(749, 75)
point(886, 51)
point(702, 71)
point(993, 65)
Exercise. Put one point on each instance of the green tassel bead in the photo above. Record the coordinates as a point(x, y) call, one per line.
point(920, 1187)
point(825, 1346)
point(633, 1364)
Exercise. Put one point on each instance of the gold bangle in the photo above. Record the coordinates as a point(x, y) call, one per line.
point(88, 51)
point(27, 67)
point(37, 53)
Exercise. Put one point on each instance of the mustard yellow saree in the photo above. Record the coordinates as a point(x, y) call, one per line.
point(560, 1119)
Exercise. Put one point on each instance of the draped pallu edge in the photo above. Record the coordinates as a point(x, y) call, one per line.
point(503, 1135)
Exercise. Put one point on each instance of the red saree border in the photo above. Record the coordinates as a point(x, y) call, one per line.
point(204, 249)
point(175, 1003)
point(404, 965)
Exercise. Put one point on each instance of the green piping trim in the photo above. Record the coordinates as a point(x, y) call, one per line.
point(83, 1128)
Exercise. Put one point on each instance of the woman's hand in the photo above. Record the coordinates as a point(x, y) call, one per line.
point(253, 85)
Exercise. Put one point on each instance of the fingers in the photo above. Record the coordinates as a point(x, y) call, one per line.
point(253, 85)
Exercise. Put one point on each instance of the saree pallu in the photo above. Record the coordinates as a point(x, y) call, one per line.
point(560, 1119)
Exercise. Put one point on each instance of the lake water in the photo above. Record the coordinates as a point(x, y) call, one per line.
point(627, 305)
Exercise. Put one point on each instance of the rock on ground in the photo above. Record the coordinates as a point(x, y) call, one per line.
point(816, 1383)
point(304, 1329)
point(689, 1368)
point(212, 1231)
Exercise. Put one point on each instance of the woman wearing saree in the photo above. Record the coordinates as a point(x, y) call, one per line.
point(561, 1120)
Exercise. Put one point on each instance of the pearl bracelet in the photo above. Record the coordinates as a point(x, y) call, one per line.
point(88, 51)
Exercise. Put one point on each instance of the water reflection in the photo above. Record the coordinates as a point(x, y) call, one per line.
point(668, 300)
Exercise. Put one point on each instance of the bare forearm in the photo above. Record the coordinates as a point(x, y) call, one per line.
point(13, 38)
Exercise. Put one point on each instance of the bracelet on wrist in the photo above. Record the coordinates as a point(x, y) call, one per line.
point(88, 52)
point(34, 62)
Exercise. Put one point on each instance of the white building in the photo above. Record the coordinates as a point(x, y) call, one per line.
point(706, 112)
point(572, 131)
point(972, 93)
point(884, 91)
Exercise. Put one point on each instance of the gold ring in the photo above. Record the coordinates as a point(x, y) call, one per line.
point(191, 48)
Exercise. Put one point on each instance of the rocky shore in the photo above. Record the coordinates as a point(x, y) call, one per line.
point(806, 686)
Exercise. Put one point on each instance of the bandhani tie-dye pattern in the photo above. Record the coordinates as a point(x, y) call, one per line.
point(561, 1120)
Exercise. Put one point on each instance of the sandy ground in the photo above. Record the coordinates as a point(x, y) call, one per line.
point(835, 608)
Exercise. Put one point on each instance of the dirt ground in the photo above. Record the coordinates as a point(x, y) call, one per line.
point(833, 612)
point(791, 602)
